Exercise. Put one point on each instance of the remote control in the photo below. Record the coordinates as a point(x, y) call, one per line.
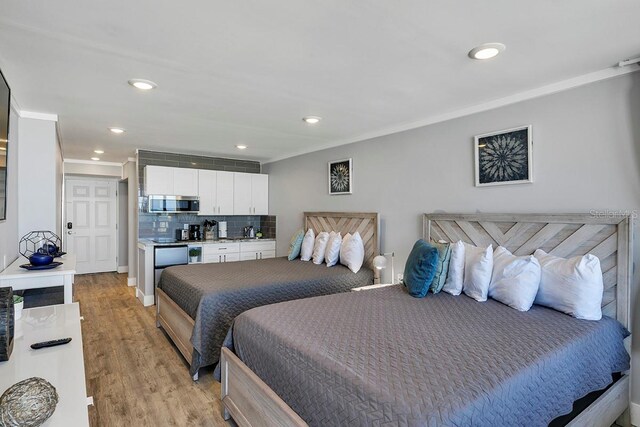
point(51, 343)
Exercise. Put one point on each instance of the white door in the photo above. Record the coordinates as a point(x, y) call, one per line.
point(242, 194)
point(224, 193)
point(260, 194)
point(90, 224)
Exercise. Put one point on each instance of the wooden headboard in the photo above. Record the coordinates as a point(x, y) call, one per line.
point(348, 222)
point(565, 235)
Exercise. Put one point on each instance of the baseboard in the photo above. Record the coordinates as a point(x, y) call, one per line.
point(131, 281)
point(146, 300)
point(123, 269)
point(635, 413)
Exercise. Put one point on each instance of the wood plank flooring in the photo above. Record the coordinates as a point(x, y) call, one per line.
point(134, 373)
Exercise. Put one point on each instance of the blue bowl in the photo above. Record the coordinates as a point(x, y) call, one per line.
point(40, 259)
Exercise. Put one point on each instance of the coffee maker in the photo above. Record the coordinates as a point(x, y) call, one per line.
point(194, 232)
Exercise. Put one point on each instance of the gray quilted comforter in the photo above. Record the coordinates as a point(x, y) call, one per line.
point(383, 358)
point(214, 294)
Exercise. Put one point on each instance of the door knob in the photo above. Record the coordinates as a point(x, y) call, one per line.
point(71, 232)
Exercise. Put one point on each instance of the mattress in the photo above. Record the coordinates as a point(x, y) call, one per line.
point(382, 358)
point(214, 294)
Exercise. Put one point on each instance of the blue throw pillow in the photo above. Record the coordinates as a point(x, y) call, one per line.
point(420, 268)
point(295, 245)
point(444, 256)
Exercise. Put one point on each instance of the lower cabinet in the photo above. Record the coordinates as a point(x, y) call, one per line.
point(241, 251)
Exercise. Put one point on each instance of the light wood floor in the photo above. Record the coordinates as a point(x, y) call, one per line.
point(134, 373)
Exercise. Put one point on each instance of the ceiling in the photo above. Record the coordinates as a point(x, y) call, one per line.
point(232, 72)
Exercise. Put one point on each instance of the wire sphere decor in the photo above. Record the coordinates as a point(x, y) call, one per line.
point(41, 242)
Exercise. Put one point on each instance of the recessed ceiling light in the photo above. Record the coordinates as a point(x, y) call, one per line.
point(116, 130)
point(486, 50)
point(98, 151)
point(95, 158)
point(142, 84)
point(241, 147)
point(311, 120)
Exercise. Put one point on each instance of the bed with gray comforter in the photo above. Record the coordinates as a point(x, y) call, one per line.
point(214, 294)
point(382, 358)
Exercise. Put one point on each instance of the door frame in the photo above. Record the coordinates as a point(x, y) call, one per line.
point(64, 205)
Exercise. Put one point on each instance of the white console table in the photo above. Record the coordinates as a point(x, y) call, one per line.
point(62, 366)
point(20, 279)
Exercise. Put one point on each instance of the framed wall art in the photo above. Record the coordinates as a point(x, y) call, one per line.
point(341, 177)
point(504, 157)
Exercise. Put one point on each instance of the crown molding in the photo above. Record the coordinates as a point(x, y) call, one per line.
point(93, 162)
point(561, 86)
point(38, 116)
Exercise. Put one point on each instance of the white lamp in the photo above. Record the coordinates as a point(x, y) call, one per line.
point(380, 262)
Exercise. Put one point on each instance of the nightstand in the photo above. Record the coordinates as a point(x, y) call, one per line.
point(366, 288)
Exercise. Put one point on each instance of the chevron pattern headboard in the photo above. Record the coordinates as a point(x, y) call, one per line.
point(564, 235)
point(366, 223)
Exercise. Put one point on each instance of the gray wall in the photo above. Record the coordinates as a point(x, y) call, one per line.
point(129, 172)
point(586, 156)
point(9, 227)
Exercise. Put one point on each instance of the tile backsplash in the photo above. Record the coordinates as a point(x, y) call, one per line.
point(157, 225)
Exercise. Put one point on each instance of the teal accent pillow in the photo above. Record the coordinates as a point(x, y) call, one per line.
point(295, 244)
point(420, 268)
point(444, 256)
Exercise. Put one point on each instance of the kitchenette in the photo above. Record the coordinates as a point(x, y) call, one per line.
point(194, 216)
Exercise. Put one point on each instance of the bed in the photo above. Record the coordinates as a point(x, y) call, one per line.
point(380, 357)
point(196, 304)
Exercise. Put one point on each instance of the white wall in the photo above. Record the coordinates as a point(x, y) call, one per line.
point(123, 223)
point(73, 167)
point(38, 176)
point(586, 156)
point(130, 171)
point(9, 227)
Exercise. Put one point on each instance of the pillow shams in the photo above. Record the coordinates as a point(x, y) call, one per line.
point(306, 250)
point(320, 247)
point(332, 254)
point(573, 286)
point(478, 265)
point(455, 276)
point(295, 245)
point(515, 279)
point(352, 252)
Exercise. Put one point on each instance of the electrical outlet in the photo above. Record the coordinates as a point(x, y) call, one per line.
point(400, 277)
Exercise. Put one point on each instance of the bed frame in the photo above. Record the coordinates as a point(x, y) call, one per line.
point(179, 325)
point(251, 402)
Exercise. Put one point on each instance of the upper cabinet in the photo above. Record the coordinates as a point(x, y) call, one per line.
point(167, 181)
point(220, 193)
point(251, 194)
point(215, 190)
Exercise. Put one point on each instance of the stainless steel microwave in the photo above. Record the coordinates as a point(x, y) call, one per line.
point(173, 204)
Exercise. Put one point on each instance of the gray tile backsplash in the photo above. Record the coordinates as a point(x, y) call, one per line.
point(155, 225)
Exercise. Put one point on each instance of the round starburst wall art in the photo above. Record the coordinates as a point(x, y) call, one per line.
point(341, 177)
point(504, 157)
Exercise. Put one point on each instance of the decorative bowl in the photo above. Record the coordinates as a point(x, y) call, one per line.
point(40, 259)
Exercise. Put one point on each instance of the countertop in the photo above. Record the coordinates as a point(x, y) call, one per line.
point(150, 242)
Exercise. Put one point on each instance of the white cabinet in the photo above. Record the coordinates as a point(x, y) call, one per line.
point(215, 190)
point(220, 252)
point(158, 180)
point(167, 181)
point(225, 194)
point(185, 182)
point(257, 250)
point(251, 194)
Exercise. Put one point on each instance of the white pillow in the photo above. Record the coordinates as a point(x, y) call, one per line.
point(455, 277)
point(573, 286)
point(515, 279)
point(478, 265)
point(320, 247)
point(332, 255)
point(306, 250)
point(352, 252)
